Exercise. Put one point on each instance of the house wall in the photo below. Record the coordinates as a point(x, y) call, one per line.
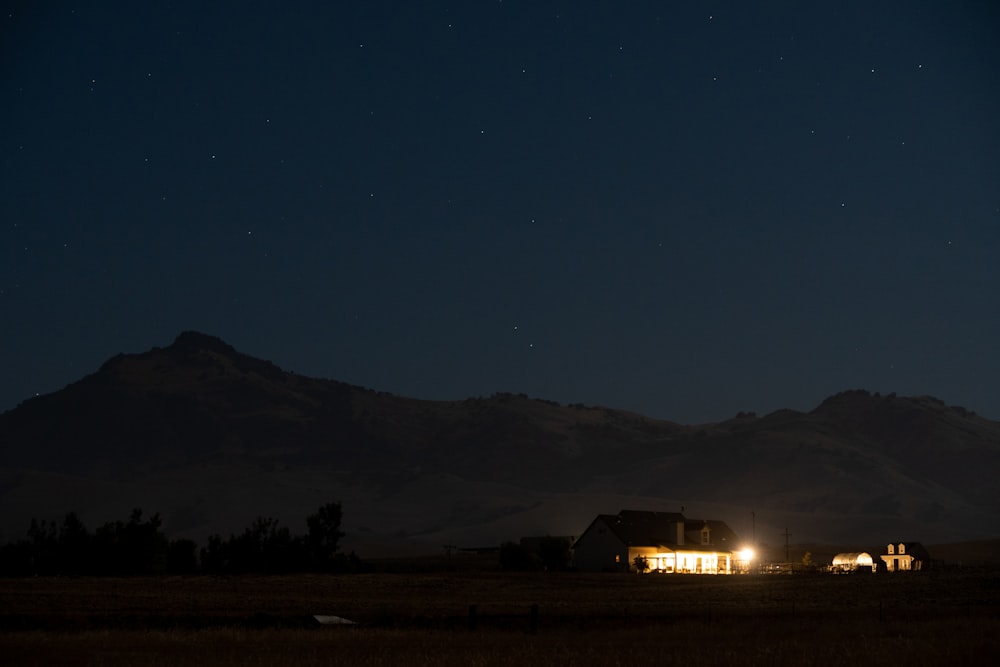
point(704, 562)
point(901, 557)
point(900, 563)
point(663, 561)
point(685, 561)
point(599, 549)
point(650, 553)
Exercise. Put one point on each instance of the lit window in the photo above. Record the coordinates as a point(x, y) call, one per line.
point(902, 548)
point(891, 550)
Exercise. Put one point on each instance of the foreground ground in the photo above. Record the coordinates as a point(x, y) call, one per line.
point(936, 618)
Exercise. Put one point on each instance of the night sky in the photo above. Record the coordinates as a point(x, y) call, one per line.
point(681, 209)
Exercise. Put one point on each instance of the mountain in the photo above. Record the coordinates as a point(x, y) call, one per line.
point(212, 438)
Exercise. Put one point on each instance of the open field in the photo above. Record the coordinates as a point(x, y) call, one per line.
point(949, 617)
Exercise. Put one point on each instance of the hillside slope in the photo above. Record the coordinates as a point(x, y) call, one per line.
point(211, 438)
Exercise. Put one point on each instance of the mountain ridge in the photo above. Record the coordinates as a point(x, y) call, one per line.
point(214, 437)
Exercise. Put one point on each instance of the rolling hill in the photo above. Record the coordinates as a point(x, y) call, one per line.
point(211, 438)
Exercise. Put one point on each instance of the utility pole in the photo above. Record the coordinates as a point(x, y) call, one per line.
point(753, 528)
point(787, 557)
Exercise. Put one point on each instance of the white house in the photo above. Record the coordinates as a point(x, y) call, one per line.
point(669, 543)
point(905, 556)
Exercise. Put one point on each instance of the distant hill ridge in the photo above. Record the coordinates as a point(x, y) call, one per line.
point(175, 416)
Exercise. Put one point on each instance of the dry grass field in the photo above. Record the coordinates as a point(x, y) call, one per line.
point(936, 618)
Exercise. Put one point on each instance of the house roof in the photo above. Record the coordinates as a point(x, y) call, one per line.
point(641, 528)
point(721, 535)
point(912, 548)
point(852, 558)
point(646, 528)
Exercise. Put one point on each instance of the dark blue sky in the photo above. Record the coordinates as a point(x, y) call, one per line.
point(681, 209)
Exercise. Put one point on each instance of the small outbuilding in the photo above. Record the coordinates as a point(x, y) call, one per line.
point(853, 562)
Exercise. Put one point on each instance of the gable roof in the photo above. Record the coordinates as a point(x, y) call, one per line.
point(646, 528)
point(721, 535)
point(915, 549)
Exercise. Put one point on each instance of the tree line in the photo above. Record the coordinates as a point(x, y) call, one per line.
point(551, 554)
point(139, 546)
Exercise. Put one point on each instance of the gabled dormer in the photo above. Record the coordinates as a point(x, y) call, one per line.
point(706, 534)
point(891, 550)
point(902, 548)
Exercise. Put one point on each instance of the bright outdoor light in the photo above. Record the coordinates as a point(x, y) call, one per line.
point(746, 554)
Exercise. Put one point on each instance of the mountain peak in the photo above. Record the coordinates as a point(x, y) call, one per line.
point(852, 403)
point(195, 340)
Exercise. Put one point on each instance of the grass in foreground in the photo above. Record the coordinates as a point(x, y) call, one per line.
point(792, 641)
point(424, 620)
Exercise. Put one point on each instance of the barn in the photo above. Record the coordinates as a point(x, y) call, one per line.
point(853, 562)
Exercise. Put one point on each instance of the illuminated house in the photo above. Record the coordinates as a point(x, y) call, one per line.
point(667, 541)
point(905, 556)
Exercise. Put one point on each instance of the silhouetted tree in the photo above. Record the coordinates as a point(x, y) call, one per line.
point(182, 557)
point(555, 553)
point(75, 546)
point(43, 541)
point(215, 555)
point(263, 547)
point(36, 554)
point(132, 547)
point(324, 535)
point(138, 546)
point(135, 547)
point(515, 557)
point(15, 559)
